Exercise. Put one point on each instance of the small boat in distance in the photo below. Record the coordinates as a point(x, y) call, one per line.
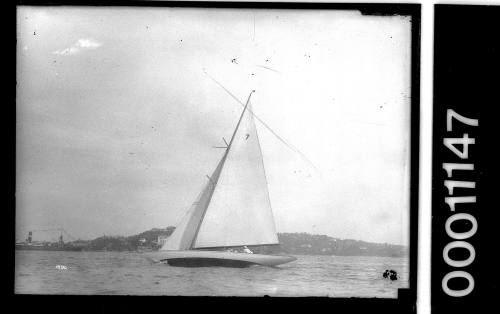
point(232, 211)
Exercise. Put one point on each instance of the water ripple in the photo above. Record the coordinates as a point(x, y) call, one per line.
point(112, 273)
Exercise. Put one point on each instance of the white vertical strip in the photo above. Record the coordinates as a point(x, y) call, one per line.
point(425, 175)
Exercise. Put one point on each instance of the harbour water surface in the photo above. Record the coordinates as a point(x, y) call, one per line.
point(119, 273)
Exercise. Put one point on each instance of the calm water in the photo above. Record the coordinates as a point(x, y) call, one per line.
point(131, 274)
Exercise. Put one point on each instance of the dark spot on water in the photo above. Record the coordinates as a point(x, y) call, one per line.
point(390, 274)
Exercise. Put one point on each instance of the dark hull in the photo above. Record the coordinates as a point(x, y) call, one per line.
point(202, 258)
point(207, 262)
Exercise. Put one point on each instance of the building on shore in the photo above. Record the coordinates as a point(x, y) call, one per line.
point(161, 240)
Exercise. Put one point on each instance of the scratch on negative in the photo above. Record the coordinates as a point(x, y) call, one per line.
point(289, 145)
point(253, 27)
point(268, 68)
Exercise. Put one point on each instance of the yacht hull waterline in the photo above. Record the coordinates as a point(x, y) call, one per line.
point(201, 258)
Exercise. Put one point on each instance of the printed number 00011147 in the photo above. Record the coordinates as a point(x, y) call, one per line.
point(452, 201)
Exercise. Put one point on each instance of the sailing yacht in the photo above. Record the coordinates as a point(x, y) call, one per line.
point(233, 210)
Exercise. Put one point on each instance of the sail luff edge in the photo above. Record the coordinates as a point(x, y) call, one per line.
point(223, 160)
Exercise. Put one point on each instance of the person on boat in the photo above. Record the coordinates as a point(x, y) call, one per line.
point(247, 250)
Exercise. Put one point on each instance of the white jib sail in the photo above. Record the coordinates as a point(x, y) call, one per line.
point(239, 211)
point(183, 236)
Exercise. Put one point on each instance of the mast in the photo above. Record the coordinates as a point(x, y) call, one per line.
point(221, 166)
point(239, 121)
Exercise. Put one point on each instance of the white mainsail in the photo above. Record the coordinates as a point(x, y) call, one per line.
point(234, 207)
point(240, 210)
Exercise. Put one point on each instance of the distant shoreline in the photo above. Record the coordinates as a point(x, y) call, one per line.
point(290, 243)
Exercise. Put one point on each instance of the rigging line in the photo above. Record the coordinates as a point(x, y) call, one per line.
point(290, 146)
point(267, 68)
point(253, 39)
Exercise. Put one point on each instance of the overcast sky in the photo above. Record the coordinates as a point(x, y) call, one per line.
point(116, 118)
